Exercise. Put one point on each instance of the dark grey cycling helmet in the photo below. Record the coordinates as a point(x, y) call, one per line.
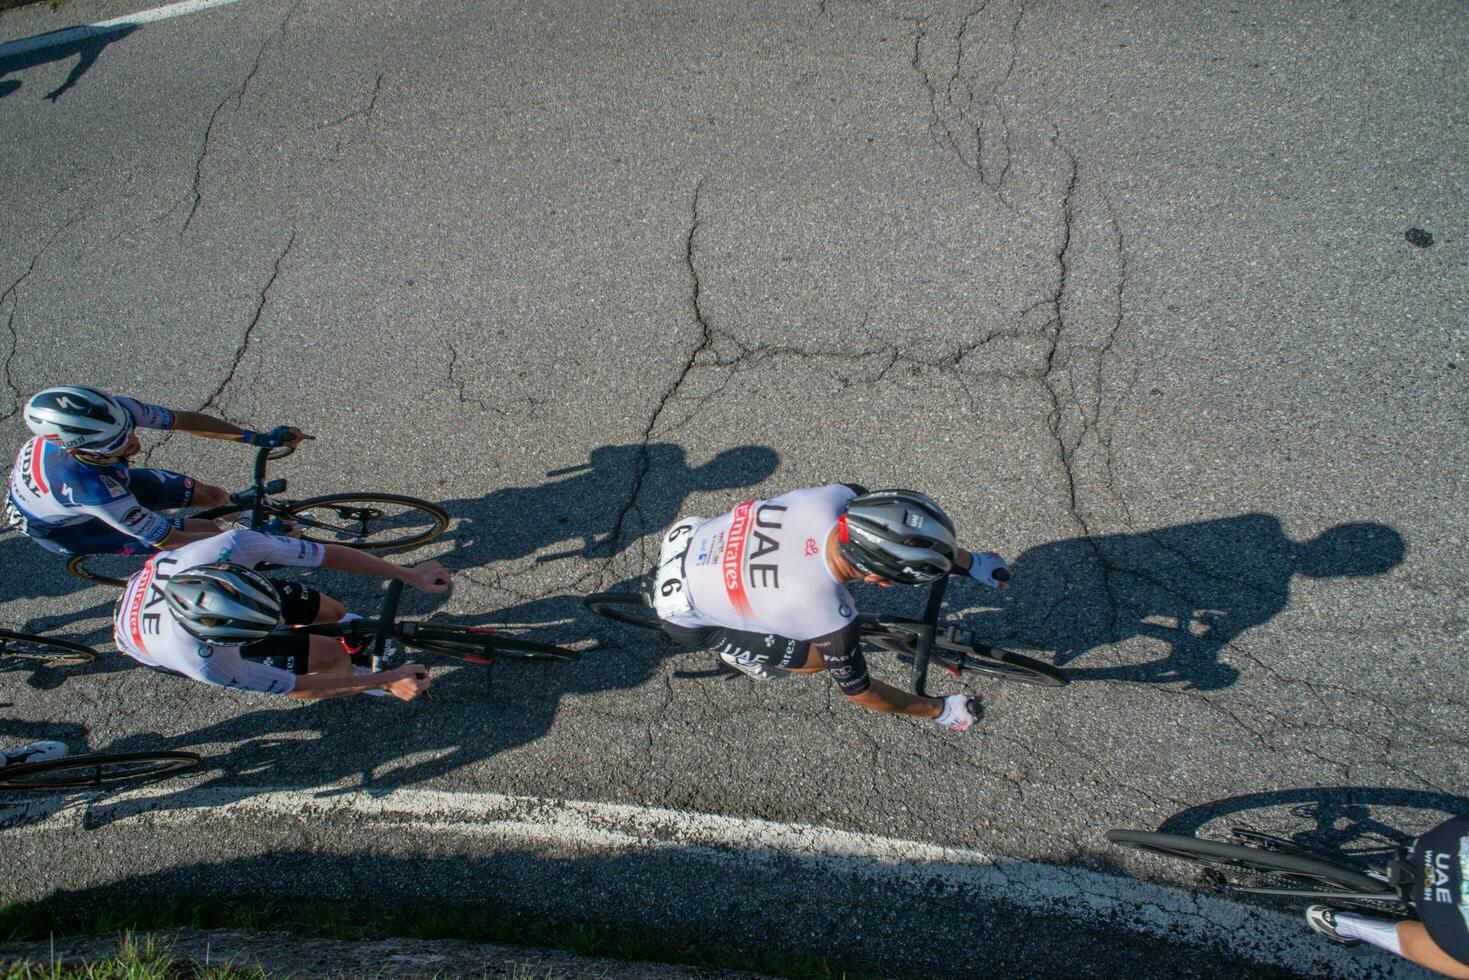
point(900, 535)
point(78, 417)
point(223, 604)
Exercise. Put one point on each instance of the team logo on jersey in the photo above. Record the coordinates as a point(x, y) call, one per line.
point(811, 548)
point(114, 488)
point(224, 554)
point(844, 609)
point(135, 516)
point(770, 640)
point(205, 651)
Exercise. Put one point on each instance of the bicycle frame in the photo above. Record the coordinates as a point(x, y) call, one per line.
point(926, 629)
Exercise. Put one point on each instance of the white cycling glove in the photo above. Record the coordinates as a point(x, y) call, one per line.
point(990, 569)
point(960, 711)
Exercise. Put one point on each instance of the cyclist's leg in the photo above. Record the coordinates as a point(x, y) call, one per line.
point(1419, 947)
point(301, 605)
point(299, 653)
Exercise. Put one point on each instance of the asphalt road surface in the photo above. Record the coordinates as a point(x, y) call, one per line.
point(1164, 302)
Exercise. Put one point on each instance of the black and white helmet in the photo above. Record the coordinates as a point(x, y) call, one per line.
point(223, 604)
point(900, 535)
point(79, 418)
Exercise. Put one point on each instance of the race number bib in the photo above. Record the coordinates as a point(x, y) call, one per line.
point(670, 591)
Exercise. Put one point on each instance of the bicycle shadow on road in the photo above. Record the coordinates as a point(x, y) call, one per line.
point(589, 505)
point(1194, 587)
point(86, 49)
point(1352, 821)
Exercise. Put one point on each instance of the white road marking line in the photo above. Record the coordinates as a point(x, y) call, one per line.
point(574, 828)
point(84, 31)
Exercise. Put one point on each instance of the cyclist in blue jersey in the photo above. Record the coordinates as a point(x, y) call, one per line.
point(73, 493)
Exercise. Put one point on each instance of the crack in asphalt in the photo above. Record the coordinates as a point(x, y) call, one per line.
point(239, 98)
point(12, 293)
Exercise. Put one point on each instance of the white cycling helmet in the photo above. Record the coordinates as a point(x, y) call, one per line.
point(223, 604)
point(900, 535)
point(79, 418)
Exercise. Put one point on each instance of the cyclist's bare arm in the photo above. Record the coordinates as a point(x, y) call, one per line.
point(1420, 948)
point(429, 576)
point(405, 683)
point(891, 700)
point(199, 424)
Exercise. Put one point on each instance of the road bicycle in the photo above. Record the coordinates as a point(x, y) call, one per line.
point(43, 649)
point(86, 771)
point(1257, 863)
point(919, 641)
point(365, 520)
point(389, 637)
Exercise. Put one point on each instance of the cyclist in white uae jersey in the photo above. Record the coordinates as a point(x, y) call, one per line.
point(73, 492)
point(765, 586)
point(231, 648)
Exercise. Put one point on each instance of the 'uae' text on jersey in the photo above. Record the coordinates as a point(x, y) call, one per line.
point(145, 629)
point(762, 567)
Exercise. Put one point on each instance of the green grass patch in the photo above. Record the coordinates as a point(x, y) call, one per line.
point(38, 921)
point(148, 958)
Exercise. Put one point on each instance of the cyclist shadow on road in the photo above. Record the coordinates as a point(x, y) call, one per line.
point(86, 50)
point(1194, 587)
point(589, 503)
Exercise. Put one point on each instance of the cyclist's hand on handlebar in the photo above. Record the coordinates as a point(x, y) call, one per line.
point(429, 577)
point(988, 568)
point(960, 711)
point(409, 681)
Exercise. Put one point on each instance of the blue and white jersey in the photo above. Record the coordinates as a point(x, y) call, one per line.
point(50, 489)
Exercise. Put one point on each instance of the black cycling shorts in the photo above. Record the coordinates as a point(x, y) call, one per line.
point(288, 651)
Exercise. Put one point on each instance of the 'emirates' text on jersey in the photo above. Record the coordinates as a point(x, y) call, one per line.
point(145, 629)
point(762, 567)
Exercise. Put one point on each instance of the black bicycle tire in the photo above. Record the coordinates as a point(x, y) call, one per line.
point(76, 653)
point(77, 564)
point(490, 645)
point(610, 606)
point(440, 516)
point(1210, 853)
point(13, 777)
point(1022, 669)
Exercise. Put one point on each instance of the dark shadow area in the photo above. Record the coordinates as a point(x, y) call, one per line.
point(1195, 587)
point(86, 48)
point(1349, 820)
point(709, 906)
point(588, 505)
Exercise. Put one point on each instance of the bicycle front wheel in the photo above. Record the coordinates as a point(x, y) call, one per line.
point(624, 607)
point(1007, 665)
point(1252, 871)
point(27, 647)
point(481, 644)
point(368, 521)
point(105, 569)
point(96, 770)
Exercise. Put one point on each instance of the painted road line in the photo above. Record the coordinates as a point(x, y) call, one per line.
point(71, 35)
point(497, 822)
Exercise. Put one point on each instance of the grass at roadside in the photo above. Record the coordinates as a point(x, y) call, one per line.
point(145, 959)
point(38, 921)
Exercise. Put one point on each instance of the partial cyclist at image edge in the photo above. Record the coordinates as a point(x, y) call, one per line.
point(765, 586)
point(73, 492)
point(1439, 938)
point(203, 611)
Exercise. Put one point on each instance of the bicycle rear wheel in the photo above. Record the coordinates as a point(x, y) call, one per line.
point(624, 607)
point(1005, 665)
point(105, 569)
point(1252, 871)
point(481, 644)
point(96, 770)
point(24, 646)
point(368, 521)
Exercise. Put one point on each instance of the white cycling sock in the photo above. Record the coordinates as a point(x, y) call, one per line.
point(1382, 933)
